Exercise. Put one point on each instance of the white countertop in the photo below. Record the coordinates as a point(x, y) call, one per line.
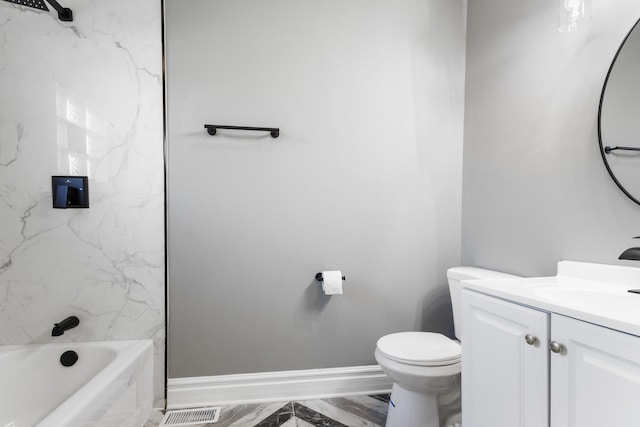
point(595, 293)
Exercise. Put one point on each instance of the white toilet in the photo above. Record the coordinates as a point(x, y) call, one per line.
point(425, 366)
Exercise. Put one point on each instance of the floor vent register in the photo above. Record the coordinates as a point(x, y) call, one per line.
point(189, 417)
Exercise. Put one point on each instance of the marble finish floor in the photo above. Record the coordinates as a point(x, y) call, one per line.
point(352, 411)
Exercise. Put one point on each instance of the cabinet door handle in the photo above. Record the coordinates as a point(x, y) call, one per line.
point(556, 347)
point(530, 339)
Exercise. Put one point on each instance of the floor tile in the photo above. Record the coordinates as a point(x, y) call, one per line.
point(279, 417)
point(255, 417)
point(315, 418)
point(343, 417)
point(352, 411)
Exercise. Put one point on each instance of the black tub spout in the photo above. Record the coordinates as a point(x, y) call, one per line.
point(68, 323)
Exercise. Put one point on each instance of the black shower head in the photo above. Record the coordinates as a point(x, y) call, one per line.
point(64, 14)
point(36, 4)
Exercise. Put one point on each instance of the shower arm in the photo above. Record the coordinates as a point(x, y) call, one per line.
point(64, 13)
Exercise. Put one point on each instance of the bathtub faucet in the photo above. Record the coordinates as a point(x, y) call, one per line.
point(68, 323)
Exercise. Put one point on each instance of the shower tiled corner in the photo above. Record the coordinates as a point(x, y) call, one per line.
point(351, 411)
point(83, 99)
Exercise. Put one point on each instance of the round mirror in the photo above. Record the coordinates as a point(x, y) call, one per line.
point(619, 116)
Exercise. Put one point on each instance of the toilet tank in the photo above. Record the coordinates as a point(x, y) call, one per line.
point(454, 276)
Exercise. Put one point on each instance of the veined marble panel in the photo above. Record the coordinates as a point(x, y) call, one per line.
point(60, 114)
point(83, 98)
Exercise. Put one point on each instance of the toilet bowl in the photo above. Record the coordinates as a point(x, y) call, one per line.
point(422, 366)
point(425, 366)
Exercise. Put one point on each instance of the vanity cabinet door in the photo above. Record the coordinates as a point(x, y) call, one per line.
point(505, 376)
point(595, 378)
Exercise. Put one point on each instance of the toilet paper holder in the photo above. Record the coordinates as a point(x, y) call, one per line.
point(319, 277)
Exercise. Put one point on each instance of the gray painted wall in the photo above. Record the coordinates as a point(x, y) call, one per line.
point(535, 190)
point(366, 177)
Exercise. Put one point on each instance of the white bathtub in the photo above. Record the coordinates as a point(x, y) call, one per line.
point(109, 385)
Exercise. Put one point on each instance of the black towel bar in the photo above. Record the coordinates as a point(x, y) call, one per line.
point(211, 129)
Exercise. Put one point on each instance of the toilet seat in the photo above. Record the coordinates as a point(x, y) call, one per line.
point(420, 349)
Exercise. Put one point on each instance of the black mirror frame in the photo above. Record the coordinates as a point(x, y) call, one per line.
point(604, 88)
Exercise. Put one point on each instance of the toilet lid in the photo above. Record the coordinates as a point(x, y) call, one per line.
point(420, 348)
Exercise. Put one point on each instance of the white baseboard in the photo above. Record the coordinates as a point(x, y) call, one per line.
point(276, 386)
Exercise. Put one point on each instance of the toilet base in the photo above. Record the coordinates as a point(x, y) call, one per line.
point(410, 409)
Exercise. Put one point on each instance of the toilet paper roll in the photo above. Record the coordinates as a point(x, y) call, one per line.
point(332, 282)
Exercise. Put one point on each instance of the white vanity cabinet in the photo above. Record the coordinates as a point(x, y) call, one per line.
point(512, 376)
point(505, 381)
point(595, 379)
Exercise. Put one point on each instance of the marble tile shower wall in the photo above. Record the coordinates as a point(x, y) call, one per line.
point(82, 98)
